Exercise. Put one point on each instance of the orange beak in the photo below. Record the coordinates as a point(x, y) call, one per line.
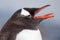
point(48, 15)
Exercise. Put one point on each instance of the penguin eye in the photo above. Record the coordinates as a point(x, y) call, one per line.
point(25, 13)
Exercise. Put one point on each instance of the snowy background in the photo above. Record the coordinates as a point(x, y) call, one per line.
point(51, 27)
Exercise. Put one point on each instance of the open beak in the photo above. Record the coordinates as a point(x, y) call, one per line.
point(48, 15)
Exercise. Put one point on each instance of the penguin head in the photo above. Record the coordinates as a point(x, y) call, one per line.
point(26, 16)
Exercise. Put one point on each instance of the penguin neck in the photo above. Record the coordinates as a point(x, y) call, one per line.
point(30, 23)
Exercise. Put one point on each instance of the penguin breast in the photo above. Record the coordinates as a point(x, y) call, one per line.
point(29, 35)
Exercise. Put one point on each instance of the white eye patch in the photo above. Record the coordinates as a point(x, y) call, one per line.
point(24, 12)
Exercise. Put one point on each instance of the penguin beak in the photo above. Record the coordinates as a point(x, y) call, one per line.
point(45, 16)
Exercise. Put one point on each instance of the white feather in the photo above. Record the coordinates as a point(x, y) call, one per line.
point(24, 12)
point(29, 35)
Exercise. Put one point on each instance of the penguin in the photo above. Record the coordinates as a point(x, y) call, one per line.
point(23, 24)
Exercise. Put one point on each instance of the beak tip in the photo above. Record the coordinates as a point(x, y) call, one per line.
point(48, 5)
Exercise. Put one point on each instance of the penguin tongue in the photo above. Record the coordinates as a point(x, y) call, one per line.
point(46, 16)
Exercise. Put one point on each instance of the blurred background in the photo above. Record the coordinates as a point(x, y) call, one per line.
point(50, 27)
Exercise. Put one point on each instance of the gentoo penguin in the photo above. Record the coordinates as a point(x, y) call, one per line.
point(23, 25)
